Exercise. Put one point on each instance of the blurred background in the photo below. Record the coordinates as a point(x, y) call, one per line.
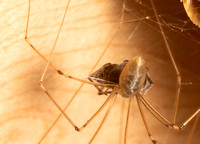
point(26, 111)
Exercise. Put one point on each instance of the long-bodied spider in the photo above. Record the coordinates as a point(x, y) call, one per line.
point(130, 79)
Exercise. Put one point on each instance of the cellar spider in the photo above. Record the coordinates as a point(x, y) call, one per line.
point(130, 79)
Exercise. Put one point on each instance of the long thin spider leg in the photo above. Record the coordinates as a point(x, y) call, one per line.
point(153, 113)
point(121, 20)
point(115, 34)
point(73, 124)
point(100, 109)
point(107, 91)
point(84, 125)
point(100, 92)
point(55, 42)
point(62, 73)
point(52, 50)
point(192, 131)
point(169, 124)
point(47, 60)
point(49, 129)
point(106, 115)
point(144, 119)
point(173, 62)
point(127, 119)
point(44, 89)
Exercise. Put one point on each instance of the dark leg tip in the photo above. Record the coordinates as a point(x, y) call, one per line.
point(100, 93)
point(77, 129)
point(155, 142)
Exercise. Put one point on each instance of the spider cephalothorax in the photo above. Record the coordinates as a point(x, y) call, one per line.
point(109, 73)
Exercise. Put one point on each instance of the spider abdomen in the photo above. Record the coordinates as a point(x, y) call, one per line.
point(133, 76)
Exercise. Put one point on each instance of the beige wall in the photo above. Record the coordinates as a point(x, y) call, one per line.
point(27, 112)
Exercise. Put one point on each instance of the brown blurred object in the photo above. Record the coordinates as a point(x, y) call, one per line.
point(27, 112)
point(192, 7)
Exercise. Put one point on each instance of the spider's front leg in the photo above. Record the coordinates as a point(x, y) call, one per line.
point(100, 89)
point(147, 87)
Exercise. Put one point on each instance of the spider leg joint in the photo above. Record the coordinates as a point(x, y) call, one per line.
point(77, 129)
point(60, 72)
point(176, 127)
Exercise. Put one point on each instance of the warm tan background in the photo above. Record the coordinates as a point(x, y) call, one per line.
point(25, 110)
